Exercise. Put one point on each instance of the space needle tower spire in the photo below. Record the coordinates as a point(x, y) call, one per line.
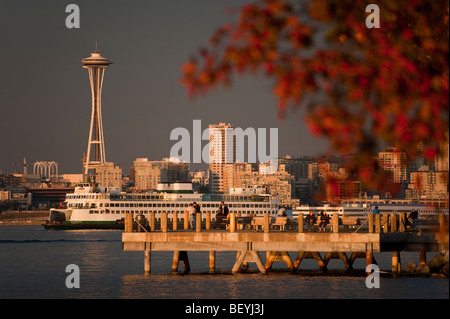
point(96, 65)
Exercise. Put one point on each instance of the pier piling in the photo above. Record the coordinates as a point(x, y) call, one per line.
point(147, 260)
point(175, 221)
point(208, 221)
point(198, 222)
point(396, 262)
point(232, 222)
point(300, 223)
point(212, 261)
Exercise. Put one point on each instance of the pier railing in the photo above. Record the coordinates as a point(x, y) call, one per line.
point(375, 223)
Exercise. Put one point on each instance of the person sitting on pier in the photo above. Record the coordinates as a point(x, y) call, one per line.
point(221, 216)
point(223, 209)
point(324, 221)
point(310, 220)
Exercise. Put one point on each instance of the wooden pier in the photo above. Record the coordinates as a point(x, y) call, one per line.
point(340, 243)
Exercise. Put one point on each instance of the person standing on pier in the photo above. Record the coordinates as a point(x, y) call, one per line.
point(191, 211)
point(194, 215)
point(376, 211)
point(282, 212)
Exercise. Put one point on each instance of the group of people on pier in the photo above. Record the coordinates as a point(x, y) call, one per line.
point(221, 215)
point(311, 219)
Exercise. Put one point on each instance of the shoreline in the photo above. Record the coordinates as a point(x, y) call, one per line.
point(23, 218)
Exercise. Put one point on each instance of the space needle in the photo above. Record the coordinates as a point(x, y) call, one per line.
point(96, 65)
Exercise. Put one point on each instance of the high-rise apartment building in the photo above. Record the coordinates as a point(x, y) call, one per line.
point(222, 151)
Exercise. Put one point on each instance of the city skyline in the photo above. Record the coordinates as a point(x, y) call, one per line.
point(46, 96)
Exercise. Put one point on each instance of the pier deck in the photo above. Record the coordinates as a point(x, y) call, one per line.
point(248, 244)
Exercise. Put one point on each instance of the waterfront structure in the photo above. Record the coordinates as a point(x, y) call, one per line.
point(148, 174)
point(222, 151)
point(277, 245)
point(96, 65)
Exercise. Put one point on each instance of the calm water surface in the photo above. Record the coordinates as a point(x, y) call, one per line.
point(33, 263)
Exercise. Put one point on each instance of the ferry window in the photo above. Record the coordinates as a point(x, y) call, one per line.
point(106, 204)
point(127, 205)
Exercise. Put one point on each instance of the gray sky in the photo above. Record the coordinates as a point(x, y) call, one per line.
point(45, 98)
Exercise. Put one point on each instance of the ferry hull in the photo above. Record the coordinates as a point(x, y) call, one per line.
point(84, 225)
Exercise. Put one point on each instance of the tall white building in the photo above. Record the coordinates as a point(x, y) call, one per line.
point(222, 151)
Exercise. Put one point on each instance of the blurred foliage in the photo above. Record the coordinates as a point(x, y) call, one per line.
point(360, 87)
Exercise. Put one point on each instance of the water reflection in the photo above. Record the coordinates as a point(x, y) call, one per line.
point(33, 263)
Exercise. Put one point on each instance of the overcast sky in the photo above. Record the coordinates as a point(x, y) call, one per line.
point(45, 98)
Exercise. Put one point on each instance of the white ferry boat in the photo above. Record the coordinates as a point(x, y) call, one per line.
point(427, 215)
point(105, 208)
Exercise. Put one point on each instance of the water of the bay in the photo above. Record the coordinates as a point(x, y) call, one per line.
point(33, 265)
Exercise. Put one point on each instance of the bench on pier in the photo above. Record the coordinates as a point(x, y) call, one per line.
point(221, 222)
point(244, 222)
point(280, 222)
point(343, 221)
point(257, 222)
point(349, 221)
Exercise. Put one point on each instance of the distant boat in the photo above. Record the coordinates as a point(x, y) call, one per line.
point(91, 207)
